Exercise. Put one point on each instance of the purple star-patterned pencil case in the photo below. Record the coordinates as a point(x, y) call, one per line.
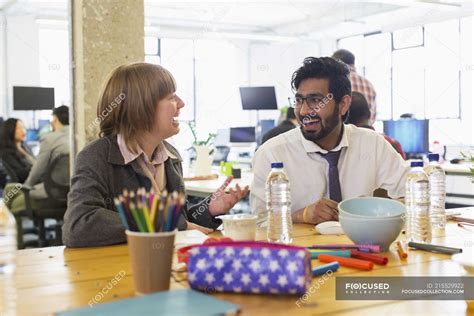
point(249, 267)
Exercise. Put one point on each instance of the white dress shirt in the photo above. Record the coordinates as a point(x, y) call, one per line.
point(367, 162)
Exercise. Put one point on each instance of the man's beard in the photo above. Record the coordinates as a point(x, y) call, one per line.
point(327, 125)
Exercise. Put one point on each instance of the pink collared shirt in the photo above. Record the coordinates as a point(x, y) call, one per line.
point(154, 168)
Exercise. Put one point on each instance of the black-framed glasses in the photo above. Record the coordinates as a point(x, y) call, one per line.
point(314, 101)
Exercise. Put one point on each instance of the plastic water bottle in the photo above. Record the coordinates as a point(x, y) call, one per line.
point(417, 201)
point(437, 179)
point(439, 149)
point(278, 205)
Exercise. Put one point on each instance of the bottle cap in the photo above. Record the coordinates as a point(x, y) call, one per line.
point(416, 164)
point(277, 164)
point(433, 157)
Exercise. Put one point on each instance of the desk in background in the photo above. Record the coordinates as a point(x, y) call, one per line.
point(202, 188)
point(459, 186)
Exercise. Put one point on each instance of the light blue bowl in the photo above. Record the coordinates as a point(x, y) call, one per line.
point(375, 231)
point(371, 207)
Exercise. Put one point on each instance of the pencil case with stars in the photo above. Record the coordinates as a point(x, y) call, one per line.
point(249, 267)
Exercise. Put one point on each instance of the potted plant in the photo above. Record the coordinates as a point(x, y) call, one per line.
point(470, 158)
point(203, 163)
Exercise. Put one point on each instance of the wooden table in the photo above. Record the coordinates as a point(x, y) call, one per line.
point(54, 279)
point(203, 188)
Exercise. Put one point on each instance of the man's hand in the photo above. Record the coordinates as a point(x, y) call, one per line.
point(322, 211)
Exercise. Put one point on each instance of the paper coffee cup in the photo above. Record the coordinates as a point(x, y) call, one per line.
point(151, 256)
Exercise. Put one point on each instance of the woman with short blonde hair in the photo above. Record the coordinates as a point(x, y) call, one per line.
point(137, 110)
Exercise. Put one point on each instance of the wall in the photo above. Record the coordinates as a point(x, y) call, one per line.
point(3, 65)
point(272, 64)
point(22, 56)
point(459, 133)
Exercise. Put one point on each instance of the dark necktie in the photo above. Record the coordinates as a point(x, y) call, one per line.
point(332, 158)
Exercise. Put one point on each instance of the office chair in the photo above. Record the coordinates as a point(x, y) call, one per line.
point(3, 177)
point(10, 172)
point(11, 177)
point(57, 186)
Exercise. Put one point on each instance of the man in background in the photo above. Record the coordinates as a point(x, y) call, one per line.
point(288, 124)
point(359, 115)
point(358, 82)
point(52, 145)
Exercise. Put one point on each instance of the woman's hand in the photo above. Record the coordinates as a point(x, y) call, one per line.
point(202, 229)
point(221, 202)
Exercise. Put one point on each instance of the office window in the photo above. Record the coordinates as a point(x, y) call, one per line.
point(408, 82)
point(442, 69)
point(419, 72)
point(378, 63)
point(177, 56)
point(209, 81)
point(152, 50)
point(409, 37)
point(54, 63)
point(217, 85)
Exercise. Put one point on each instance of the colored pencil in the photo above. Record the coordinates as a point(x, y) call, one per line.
point(181, 202)
point(146, 215)
point(154, 205)
point(150, 212)
point(128, 215)
point(136, 217)
point(121, 212)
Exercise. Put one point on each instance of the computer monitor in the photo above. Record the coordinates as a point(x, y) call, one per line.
point(242, 134)
point(43, 123)
point(32, 135)
point(265, 126)
point(412, 134)
point(33, 98)
point(258, 98)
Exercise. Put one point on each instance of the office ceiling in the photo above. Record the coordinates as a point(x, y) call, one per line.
point(275, 19)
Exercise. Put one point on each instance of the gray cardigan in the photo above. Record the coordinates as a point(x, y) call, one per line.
point(100, 175)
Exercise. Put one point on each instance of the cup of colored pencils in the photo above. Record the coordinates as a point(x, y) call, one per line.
point(150, 221)
point(147, 212)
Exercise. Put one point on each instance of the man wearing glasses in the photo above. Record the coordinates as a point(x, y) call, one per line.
point(326, 161)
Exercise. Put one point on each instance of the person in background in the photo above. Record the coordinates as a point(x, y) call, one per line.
point(17, 158)
point(359, 115)
point(288, 124)
point(326, 160)
point(358, 82)
point(52, 144)
point(138, 109)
